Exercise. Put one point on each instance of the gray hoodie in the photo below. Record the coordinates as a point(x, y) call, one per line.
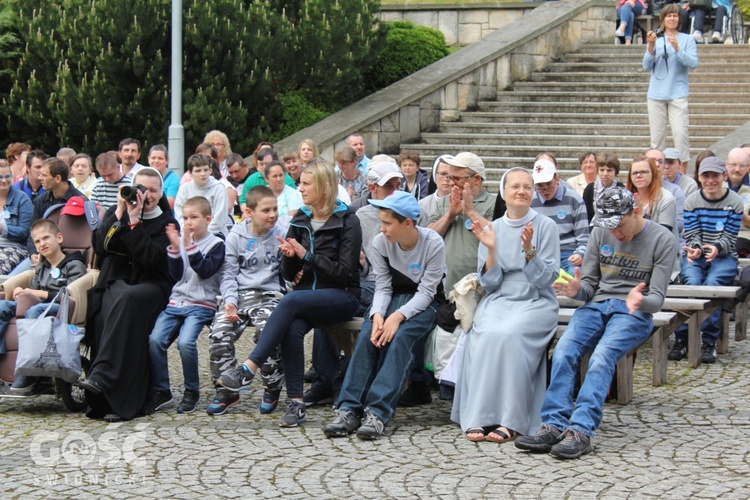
point(216, 194)
point(252, 262)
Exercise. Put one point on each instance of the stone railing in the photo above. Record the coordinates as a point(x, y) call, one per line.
point(462, 24)
point(440, 92)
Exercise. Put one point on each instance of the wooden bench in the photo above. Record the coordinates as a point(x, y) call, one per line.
point(685, 309)
point(718, 295)
point(665, 323)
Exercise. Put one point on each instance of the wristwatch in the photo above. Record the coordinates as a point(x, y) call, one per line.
point(530, 254)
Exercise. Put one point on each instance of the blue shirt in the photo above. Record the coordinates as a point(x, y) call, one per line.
point(24, 186)
point(669, 77)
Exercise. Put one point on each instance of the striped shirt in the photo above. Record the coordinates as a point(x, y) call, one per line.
point(105, 193)
point(568, 210)
point(713, 222)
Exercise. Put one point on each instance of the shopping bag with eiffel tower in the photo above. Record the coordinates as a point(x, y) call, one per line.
point(48, 346)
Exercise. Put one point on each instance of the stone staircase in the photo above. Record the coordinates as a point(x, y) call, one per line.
point(592, 99)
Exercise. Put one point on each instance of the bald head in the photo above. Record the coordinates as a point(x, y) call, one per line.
point(738, 162)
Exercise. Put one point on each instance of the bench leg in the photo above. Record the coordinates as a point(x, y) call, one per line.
point(740, 321)
point(694, 341)
point(659, 365)
point(625, 379)
point(722, 344)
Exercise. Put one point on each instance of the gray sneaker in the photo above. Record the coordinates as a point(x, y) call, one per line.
point(344, 423)
point(236, 379)
point(574, 444)
point(541, 441)
point(372, 428)
point(295, 414)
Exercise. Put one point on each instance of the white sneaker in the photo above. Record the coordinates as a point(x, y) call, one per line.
point(698, 36)
point(619, 34)
point(716, 37)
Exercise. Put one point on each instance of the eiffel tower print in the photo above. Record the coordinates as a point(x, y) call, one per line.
point(50, 356)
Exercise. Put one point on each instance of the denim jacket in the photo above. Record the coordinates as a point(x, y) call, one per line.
point(16, 218)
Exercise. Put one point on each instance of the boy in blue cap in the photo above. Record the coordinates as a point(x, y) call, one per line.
point(409, 264)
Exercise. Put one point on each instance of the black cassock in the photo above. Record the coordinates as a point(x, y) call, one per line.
point(132, 289)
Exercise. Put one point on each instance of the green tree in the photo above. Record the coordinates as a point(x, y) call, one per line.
point(94, 71)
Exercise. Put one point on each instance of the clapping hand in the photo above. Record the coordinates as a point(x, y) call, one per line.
point(485, 233)
point(526, 236)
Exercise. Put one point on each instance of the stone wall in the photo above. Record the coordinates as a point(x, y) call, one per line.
point(462, 24)
point(440, 92)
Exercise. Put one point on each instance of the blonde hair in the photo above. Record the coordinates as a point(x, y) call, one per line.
point(325, 182)
point(221, 136)
point(312, 145)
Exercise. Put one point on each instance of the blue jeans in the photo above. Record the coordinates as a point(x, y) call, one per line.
point(627, 15)
point(565, 263)
point(376, 376)
point(719, 272)
point(329, 365)
point(8, 312)
point(183, 324)
point(290, 321)
point(607, 328)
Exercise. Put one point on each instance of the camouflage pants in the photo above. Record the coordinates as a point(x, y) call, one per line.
point(10, 257)
point(254, 308)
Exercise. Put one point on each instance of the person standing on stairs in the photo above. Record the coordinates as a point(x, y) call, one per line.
point(669, 57)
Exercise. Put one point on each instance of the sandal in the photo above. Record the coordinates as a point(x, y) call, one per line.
point(474, 431)
point(501, 435)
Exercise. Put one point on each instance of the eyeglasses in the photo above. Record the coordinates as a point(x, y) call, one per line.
point(737, 165)
point(6, 177)
point(443, 175)
point(640, 173)
point(459, 179)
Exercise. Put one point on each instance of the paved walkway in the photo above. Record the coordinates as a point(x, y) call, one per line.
point(688, 439)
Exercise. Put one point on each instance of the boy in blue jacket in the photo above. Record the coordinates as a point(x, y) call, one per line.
point(194, 261)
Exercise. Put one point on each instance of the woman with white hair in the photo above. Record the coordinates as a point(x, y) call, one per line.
point(132, 289)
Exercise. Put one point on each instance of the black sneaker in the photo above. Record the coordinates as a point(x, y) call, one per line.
point(310, 375)
point(372, 428)
point(708, 353)
point(236, 379)
point(161, 399)
point(344, 423)
point(294, 415)
point(418, 393)
point(541, 441)
point(317, 396)
point(23, 386)
point(574, 445)
point(221, 403)
point(679, 350)
point(189, 402)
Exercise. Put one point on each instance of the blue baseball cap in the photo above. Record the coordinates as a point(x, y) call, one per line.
point(401, 202)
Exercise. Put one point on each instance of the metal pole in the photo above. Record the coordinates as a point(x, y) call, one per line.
point(176, 130)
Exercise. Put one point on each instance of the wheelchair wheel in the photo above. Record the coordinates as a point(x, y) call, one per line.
point(735, 25)
point(72, 396)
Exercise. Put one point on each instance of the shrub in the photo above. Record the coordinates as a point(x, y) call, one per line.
point(744, 6)
point(408, 48)
point(297, 113)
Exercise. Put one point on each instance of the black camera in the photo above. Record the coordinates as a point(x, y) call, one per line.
point(129, 193)
point(659, 32)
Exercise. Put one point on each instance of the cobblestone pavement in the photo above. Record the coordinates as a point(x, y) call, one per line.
point(687, 439)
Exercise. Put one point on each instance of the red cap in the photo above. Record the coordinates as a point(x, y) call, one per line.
point(74, 206)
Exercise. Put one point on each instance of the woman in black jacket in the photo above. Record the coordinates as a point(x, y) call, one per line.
point(320, 254)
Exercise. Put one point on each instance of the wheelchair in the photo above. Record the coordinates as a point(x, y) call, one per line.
point(732, 28)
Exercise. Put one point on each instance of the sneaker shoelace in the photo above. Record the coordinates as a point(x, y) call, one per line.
point(571, 436)
point(372, 421)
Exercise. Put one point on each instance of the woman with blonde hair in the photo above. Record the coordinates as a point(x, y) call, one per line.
point(320, 254)
point(307, 151)
point(220, 141)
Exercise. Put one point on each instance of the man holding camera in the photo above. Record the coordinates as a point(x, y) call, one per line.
point(712, 221)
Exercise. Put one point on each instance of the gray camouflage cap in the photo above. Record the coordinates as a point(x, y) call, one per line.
point(612, 206)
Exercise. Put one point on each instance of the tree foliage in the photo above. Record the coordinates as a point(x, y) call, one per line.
point(408, 48)
point(86, 73)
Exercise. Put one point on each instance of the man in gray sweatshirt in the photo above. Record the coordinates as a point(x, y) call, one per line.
point(626, 271)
